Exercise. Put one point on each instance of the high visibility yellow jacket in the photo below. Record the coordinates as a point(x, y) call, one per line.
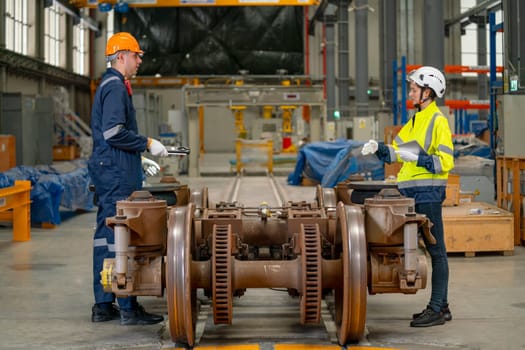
point(426, 179)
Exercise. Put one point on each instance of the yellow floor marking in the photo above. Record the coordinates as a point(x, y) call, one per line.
point(369, 348)
point(284, 347)
point(305, 347)
point(229, 347)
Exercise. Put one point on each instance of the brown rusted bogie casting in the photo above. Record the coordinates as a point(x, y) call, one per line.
point(387, 273)
point(144, 277)
point(386, 215)
point(145, 217)
point(396, 264)
point(330, 244)
point(140, 245)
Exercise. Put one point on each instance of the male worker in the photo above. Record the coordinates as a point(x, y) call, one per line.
point(115, 168)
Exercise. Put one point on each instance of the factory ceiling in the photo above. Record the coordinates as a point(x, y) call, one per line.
point(217, 40)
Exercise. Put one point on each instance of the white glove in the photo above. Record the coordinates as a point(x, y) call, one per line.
point(407, 156)
point(156, 148)
point(369, 148)
point(150, 167)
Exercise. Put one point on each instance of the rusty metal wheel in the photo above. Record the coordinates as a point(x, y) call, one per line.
point(221, 275)
point(326, 197)
point(350, 298)
point(199, 198)
point(182, 300)
point(312, 274)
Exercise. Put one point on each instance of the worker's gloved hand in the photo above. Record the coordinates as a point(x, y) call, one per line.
point(407, 156)
point(156, 148)
point(369, 148)
point(150, 167)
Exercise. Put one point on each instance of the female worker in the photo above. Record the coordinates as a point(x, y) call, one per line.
point(423, 177)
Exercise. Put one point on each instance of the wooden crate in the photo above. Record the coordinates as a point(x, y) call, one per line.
point(64, 152)
point(510, 175)
point(392, 169)
point(452, 196)
point(391, 133)
point(478, 227)
point(465, 198)
point(7, 152)
point(453, 191)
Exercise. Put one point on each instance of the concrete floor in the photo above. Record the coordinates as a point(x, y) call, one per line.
point(46, 299)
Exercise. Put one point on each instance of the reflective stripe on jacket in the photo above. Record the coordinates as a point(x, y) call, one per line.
point(426, 179)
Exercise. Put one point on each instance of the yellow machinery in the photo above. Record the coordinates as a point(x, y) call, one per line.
point(238, 113)
point(287, 119)
point(267, 112)
point(267, 150)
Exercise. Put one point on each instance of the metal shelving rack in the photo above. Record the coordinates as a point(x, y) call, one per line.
point(494, 84)
point(400, 105)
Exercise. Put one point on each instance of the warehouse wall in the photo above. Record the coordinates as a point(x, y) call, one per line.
point(79, 99)
point(409, 39)
point(23, 85)
point(409, 44)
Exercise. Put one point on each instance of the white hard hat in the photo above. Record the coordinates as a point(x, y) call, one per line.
point(431, 77)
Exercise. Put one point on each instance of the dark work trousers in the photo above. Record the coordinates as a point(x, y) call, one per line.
point(438, 255)
point(104, 247)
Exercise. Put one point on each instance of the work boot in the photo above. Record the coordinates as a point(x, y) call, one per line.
point(447, 315)
point(138, 316)
point(104, 312)
point(428, 318)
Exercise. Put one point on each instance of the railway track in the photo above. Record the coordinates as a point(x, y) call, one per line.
point(267, 315)
point(247, 190)
point(263, 315)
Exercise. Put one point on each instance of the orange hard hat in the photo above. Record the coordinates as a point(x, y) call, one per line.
point(122, 41)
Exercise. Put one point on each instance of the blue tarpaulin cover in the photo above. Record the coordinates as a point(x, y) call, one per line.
point(65, 184)
point(471, 145)
point(331, 162)
point(473, 149)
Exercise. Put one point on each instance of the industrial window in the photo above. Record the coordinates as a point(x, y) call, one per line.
point(54, 36)
point(16, 26)
point(110, 28)
point(81, 47)
point(469, 41)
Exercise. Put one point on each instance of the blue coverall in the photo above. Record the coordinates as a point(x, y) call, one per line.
point(114, 167)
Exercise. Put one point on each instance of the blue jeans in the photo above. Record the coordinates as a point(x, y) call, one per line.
point(438, 255)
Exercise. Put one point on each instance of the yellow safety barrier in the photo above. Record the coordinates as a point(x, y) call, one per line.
point(15, 207)
point(264, 144)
